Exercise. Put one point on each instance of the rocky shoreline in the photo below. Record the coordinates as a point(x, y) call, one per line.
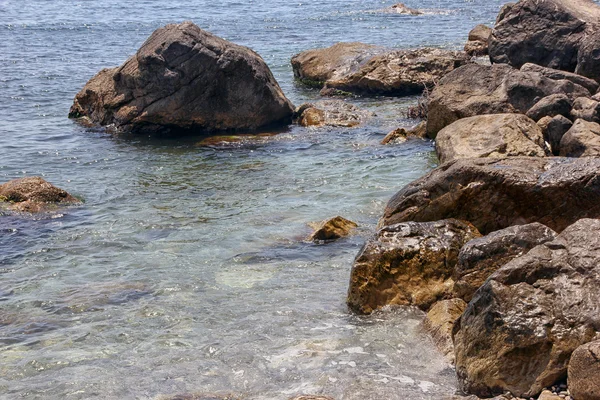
point(499, 244)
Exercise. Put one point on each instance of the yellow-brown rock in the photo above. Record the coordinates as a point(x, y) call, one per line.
point(33, 194)
point(439, 322)
point(331, 229)
point(409, 263)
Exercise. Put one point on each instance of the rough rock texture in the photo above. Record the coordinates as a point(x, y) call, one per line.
point(554, 128)
point(185, 78)
point(544, 32)
point(584, 372)
point(492, 135)
point(407, 264)
point(476, 89)
point(582, 140)
point(550, 106)
point(331, 113)
point(483, 256)
point(439, 322)
point(401, 135)
point(587, 109)
point(331, 229)
point(557, 74)
point(494, 194)
point(588, 57)
point(477, 45)
point(311, 397)
point(548, 395)
point(33, 194)
point(365, 69)
point(202, 396)
point(315, 67)
point(518, 332)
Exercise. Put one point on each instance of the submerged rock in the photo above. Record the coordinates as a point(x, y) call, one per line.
point(439, 322)
point(548, 32)
point(584, 371)
point(477, 45)
point(331, 229)
point(582, 140)
point(185, 78)
point(401, 135)
point(497, 193)
point(481, 257)
point(476, 89)
point(364, 69)
point(493, 136)
point(331, 113)
point(518, 332)
point(410, 263)
point(33, 194)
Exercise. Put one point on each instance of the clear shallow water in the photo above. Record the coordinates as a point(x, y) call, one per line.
point(185, 269)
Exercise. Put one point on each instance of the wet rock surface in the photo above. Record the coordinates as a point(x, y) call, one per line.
point(493, 136)
point(439, 322)
point(476, 89)
point(548, 33)
point(331, 229)
point(481, 257)
point(523, 324)
point(584, 371)
point(365, 69)
point(495, 194)
point(401, 135)
point(581, 140)
point(184, 78)
point(331, 113)
point(407, 264)
point(401, 8)
point(33, 194)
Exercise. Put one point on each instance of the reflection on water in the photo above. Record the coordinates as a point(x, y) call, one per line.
point(185, 270)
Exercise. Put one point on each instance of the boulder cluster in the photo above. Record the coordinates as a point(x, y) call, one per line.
point(500, 244)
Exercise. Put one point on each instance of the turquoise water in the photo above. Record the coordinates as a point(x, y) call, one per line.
point(185, 270)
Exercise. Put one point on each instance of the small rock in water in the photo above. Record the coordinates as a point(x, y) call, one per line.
point(332, 229)
point(401, 135)
point(33, 194)
point(331, 113)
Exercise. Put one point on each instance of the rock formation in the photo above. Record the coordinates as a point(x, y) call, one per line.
point(184, 78)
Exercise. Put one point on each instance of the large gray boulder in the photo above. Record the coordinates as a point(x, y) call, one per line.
point(558, 74)
point(497, 193)
point(546, 32)
point(184, 78)
point(476, 89)
point(481, 257)
point(370, 70)
point(410, 263)
point(521, 327)
point(582, 140)
point(492, 135)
